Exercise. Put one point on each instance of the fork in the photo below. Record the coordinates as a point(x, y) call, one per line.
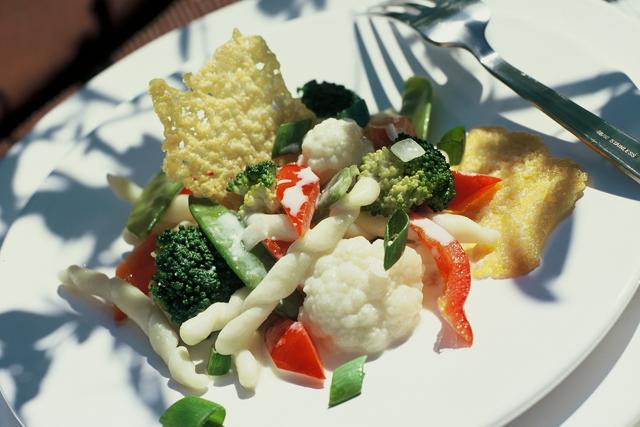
point(462, 23)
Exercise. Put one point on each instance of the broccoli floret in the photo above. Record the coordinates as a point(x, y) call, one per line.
point(191, 274)
point(257, 185)
point(263, 173)
point(426, 179)
point(326, 99)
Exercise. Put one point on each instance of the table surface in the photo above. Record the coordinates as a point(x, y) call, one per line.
point(590, 383)
point(89, 36)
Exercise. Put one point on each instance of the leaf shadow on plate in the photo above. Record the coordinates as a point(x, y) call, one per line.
point(12, 202)
point(71, 210)
point(21, 357)
point(460, 98)
point(95, 314)
point(29, 339)
point(565, 399)
point(291, 8)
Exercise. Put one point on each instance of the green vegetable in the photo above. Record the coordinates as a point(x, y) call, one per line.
point(416, 104)
point(224, 229)
point(219, 364)
point(395, 237)
point(426, 179)
point(289, 138)
point(257, 185)
point(358, 112)
point(453, 143)
point(332, 100)
point(193, 411)
point(346, 382)
point(333, 191)
point(191, 274)
point(151, 206)
point(326, 99)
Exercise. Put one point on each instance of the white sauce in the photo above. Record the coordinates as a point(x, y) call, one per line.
point(230, 223)
point(293, 197)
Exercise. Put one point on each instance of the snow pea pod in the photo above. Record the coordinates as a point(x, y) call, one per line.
point(289, 138)
point(149, 209)
point(358, 112)
point(416, 104)
point(225, 229)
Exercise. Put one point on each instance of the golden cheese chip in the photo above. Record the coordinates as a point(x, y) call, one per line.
point(537, 191)
point(227, 118)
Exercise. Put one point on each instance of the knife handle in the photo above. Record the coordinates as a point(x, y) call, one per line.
point(616, 146)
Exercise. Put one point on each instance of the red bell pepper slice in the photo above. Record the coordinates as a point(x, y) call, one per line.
point(278, 248)
point(454, 268)
point(470, 187)
point(376, 130)
point(137, 269)
point(298, 189)
point(291, 348)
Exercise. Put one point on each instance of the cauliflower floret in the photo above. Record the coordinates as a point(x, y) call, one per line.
point(332, 145)
point(353, 305)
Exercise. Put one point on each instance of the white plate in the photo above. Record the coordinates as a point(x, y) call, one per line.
point(63, 362)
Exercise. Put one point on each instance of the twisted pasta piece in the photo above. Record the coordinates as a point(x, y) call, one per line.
point(150, 318)
point(288, 272)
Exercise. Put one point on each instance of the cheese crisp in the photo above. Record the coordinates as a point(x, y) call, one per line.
point(227, 119)
point(537, 191)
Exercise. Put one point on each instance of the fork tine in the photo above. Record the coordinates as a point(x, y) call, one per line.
point(420, 7)
point(404, 17)
point(418, 11)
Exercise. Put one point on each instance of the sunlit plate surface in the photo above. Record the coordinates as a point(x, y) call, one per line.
point(63, 361)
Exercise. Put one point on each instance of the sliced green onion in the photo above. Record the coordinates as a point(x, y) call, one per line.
point(395, 237)
point(193, 411)
point(453, 143)
point(335, 190)
point(358, 112)
point(219, 364)
point(346, 382)
point(151, 206)
point(416, 104)
point(289, 138)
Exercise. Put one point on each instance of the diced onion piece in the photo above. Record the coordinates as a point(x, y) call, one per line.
point(392, 132)
point(407, 149)
point(346, 382)
point(193, 411)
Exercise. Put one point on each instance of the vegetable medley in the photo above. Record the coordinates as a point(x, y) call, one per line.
point(307, 225)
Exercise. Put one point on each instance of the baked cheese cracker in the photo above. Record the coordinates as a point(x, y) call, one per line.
point(537, 191)
point(227, 118)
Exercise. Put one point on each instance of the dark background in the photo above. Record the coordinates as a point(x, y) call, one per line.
point(50, 48)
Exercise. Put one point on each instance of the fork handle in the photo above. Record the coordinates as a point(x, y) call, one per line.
point(606, 139)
